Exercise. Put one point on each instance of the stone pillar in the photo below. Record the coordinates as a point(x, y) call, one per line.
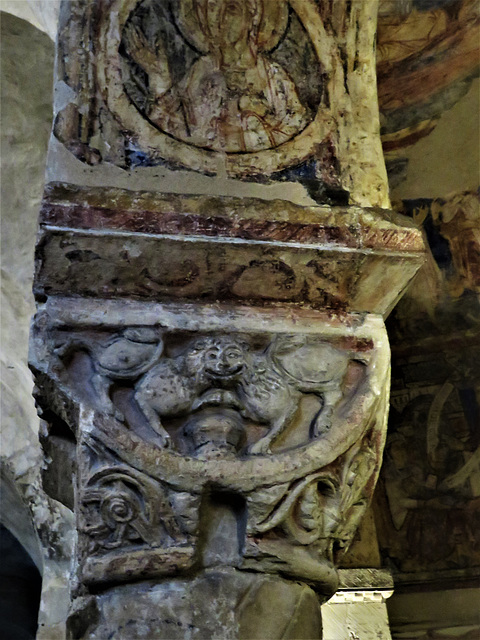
point(213, 269)
point(358, 610)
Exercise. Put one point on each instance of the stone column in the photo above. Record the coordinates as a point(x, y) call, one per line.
point(214, 263)
point(358, 610)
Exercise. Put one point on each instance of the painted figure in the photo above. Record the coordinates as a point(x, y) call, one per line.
point(233, 98)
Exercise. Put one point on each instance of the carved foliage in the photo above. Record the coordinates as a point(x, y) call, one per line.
point(121, 512)
point(323, 509)
point(121, 508)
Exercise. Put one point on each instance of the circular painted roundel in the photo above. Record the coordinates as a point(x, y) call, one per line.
point(199, 82)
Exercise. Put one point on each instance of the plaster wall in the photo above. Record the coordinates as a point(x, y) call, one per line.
point(26, 101)
point(448, 160)
point(42, 14)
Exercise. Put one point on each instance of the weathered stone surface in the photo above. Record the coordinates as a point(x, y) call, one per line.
point(359, 607)
point(213, 435)
point(256, 417)
point(366, 580)
point(152, 212)
point(465, 277)
point(220, 603)
point(427, 54)
point(214, 371)
point(359, 618)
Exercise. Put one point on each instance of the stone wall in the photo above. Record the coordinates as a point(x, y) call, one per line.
point(26, 95)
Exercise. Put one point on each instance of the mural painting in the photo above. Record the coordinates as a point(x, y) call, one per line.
point(427, 56)
point(255, 90)
point(227, 93)
point(430, 482)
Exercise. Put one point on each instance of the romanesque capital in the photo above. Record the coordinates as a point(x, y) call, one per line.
point(213, 270)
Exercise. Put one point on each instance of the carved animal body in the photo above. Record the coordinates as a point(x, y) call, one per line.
point(173, 387)
point(126, 356)
point(265, 388)
point(277, 383)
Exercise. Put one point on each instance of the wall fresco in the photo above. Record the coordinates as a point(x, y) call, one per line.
point(258, 91)
point(428, 502)
point(427, 54)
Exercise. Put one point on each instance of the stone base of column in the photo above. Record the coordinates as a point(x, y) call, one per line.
point(358, 610)
point(221, 603)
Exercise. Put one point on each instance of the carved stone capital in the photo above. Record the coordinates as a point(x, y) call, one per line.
point(167, 413)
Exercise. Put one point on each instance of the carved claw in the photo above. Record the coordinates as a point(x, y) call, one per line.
point(110, 410)
point(321, 426)
point(61, 349)
point(165, 440)
point(260, 447)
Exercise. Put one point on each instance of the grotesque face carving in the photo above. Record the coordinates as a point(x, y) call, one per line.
point(221, 360)
point(261, 388)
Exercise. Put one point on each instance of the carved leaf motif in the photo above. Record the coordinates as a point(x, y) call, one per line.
point(118, 509)
point(358, 472)
point(301, 513)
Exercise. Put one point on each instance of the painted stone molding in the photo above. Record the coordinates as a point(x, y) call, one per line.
point(175, 410)
point(111, 242)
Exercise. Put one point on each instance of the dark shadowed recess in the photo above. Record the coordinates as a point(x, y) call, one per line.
point(20, 589)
